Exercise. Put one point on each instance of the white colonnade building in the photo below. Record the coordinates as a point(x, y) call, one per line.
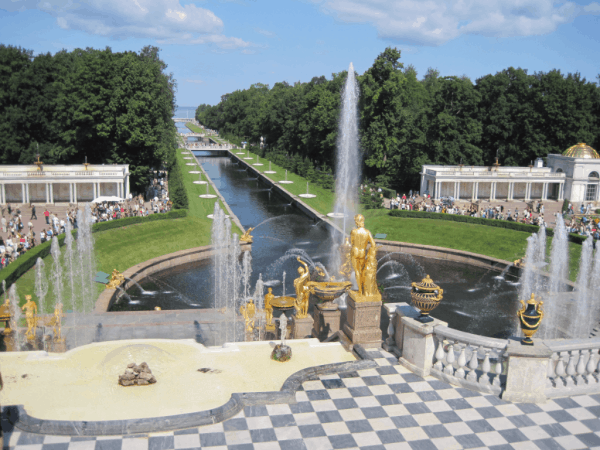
point(62, 183)
point(572, 175)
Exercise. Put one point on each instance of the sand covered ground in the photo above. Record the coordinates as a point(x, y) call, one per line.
point(82, 384)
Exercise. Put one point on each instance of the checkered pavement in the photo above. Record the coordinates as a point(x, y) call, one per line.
point(383, 408)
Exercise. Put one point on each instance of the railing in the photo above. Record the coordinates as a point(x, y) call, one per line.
point(574, 367)
point(479, 364)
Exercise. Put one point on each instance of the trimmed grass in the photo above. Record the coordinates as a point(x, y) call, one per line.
point(121, 248)
point(324, 200)
point(499, 243)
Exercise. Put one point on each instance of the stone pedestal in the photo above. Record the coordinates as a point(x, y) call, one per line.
point(527, 372)
point(363, 322)
point(326, 322)
point(396, 311)
point(418, 347)
point(302, 328)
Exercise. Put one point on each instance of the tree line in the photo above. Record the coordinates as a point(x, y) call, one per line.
point(406, 122)
point(113, 108)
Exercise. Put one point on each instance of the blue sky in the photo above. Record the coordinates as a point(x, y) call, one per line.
point(217, 46)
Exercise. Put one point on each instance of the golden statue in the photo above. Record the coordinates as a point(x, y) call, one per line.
point(371, 289)
point(246, 236)
point(5, 316)
point(56, 322)
point(345, 253)
point(360, 238)
point(268, 307)
point(116, 279)
point(30, 310)
point(248, 311)
point(302, 291)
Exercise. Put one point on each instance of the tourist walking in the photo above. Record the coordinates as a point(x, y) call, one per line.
point(33, 215)
point(47, 216)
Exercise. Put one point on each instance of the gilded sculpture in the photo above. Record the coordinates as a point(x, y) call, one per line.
point(56, 322)
point(364, 262)
point(246, 236)
point(30, 311)
point(5, 316)
point(269, 308)
point(302, 290)
point(248, 311)
point(346, 257)
point(116, 279)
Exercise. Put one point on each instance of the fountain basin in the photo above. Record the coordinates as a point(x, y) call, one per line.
point(307, 195)
point(207, 196)
point(327, 291)
point(199, 182)
point(284, 182)
point(84, 385)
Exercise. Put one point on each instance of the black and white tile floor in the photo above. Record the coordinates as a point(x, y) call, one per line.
point(383, 408)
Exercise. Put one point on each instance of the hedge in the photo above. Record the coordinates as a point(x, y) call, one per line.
point(16, 269)
point(388, 193)
point(575, 238)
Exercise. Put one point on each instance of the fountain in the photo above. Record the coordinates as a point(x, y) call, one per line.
point(199, 180)
point(286, 180)
point(208, 194)
point(270, 171)
point(307, 195)
point(348, 156)
point(257, 163)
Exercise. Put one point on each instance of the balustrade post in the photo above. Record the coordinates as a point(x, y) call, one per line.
point(418, 347)
point(485, 368)
point(569, 381)
point(462, 361)
point(473, 363)
point(449, 369)
point(527, 372)
point(591, 367)
point(580, 381)
point(498, 370)
point(439, 356)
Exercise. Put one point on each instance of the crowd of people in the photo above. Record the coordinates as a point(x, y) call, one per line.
point(19, 234)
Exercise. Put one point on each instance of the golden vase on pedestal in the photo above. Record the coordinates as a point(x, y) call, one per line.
point(426, 296)
point(530, 316)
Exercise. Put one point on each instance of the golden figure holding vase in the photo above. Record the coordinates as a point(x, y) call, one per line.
point(248, 311)
point(302, 291)
point(246, 236)
point(30, 311)
point(116, 279)
point(364, 262)
point(269, 309)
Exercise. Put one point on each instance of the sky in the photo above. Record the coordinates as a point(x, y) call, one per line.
point(214, 47)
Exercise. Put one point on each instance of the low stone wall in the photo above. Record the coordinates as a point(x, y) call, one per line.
point(142, 270)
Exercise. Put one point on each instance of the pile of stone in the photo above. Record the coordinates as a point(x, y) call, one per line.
point(137, 375)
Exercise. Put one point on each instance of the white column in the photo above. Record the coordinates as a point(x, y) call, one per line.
point(473, 192)
point(561, 190)
point(47, 193)
point(127, 187)
point(493, 191)
point(3, 194)
point(511, 190)
point(476, 190)
point(457, 196)
point(27, 193)
point(75, 192)
point(51, 192)
point(527, 186)
point(70, 192)
point(545, 192)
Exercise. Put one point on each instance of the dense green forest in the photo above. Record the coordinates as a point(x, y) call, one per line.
point(113, 108)
point(406, 122)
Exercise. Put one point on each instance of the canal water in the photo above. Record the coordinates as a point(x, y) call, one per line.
point(475, 300)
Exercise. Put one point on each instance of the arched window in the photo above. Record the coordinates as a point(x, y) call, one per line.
point(559, 170)
point(591, 192)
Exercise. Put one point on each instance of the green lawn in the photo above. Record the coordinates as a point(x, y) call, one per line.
point(499, 243)
point(121, 248)
point(324, 200)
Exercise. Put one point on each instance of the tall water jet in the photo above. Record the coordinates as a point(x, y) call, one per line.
point(41, 284)
point(559, 256)
point(15, 314)
point(581, 318)
point(69, 263)
point(85, 259)
point(595, 278)
point(528, 275)
point(348, 157)
point(57, 270)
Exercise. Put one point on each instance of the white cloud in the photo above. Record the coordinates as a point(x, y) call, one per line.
point(266, 33)
point(434, 22)
point(165, 20)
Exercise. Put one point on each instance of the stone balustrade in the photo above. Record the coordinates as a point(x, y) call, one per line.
point(469, 360)
point(503, 367)
point(574, 367)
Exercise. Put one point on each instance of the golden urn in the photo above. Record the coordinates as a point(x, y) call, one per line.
point(530, 316)
point(426, 296)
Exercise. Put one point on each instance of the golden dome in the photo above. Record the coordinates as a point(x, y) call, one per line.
point(581, 150)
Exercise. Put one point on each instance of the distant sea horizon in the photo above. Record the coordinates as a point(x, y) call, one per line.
point(181, 112)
